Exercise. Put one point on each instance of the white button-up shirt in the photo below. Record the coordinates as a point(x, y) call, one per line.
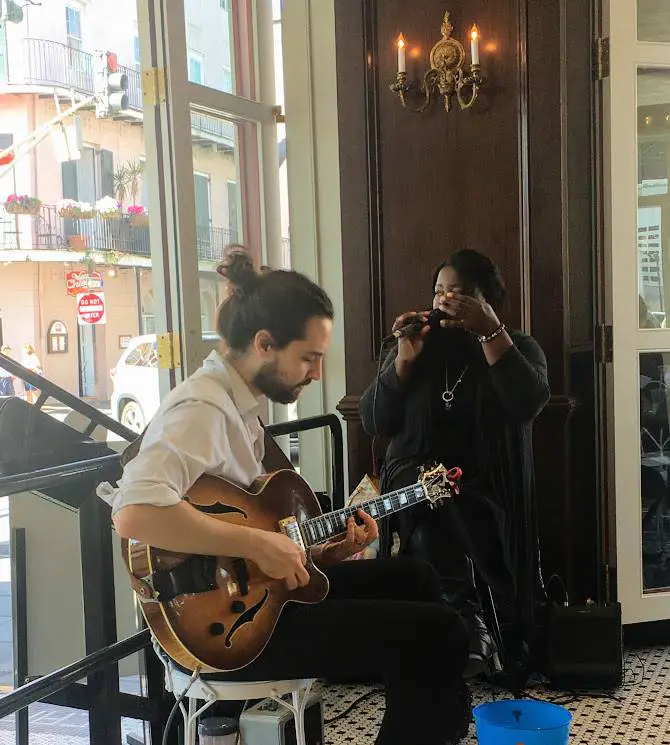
point(208, 424)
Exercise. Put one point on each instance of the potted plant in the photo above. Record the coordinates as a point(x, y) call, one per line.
point(17, 204)
point(138, 216)
point(76, 210)
point(108, 208)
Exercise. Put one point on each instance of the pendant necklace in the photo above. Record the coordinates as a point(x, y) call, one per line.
point(448, 395)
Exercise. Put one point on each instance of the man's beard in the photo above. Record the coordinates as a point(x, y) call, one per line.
point(269, 383)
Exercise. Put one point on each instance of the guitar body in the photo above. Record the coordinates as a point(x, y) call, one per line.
point(218, 613)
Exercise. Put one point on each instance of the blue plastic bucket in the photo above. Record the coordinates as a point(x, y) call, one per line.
point(521, 722)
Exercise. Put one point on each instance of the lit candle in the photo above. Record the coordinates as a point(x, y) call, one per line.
point(402, 67)
point(474, 45)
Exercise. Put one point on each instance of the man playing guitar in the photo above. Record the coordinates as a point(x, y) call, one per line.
point(381, 620)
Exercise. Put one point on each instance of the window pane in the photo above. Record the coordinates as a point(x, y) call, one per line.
point(3, 54)
point(653, 20)
point(220, 35)
point(655, 460)
point(98, 240)
point(653, 214)
point(227, 199)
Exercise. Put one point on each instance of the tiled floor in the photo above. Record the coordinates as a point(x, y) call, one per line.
point(638, 713)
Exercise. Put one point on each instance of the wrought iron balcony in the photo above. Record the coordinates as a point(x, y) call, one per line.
point(51, 63)
point(117, 237)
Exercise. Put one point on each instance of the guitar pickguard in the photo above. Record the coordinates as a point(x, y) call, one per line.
point(246, 617)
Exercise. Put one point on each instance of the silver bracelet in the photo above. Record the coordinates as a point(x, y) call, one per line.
point(493, 335)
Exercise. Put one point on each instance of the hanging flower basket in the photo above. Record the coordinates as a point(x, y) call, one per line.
point(75, 210)
point(108, 208)
point(22, 205)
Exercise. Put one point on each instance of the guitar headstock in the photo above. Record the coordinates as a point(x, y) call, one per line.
point(439, 482)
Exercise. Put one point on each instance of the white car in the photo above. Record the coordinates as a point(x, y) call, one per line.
point(135, 398)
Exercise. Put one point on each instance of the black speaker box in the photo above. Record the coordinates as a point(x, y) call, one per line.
point(585, 647)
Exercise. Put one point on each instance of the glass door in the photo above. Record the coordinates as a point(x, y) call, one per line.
point(636, 98)
point(212, 98)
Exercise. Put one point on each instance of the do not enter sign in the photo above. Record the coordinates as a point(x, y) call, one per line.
point(91, 309)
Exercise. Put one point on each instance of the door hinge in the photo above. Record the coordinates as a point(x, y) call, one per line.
point(604, 343)
point(153, 86)
point(602, 61)
point(169, 351)
point(280, 117)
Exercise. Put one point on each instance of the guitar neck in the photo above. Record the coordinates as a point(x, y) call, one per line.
point(320, 529)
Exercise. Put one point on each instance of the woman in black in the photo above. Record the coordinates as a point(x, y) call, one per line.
point(466, 394)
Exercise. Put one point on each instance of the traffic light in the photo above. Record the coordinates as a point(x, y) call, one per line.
point(111, 85)
point(10, 12)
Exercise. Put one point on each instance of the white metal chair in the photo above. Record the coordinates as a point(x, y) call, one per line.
point(195, 689)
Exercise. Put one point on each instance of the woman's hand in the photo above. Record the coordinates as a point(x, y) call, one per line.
point(471, 313)
point(409, 347)
point(357, 538)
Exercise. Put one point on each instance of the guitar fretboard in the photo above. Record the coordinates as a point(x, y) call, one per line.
point(320, 529)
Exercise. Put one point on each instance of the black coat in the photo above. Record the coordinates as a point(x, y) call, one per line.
point(503, 401)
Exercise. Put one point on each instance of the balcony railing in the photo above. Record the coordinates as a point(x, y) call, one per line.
point(55, 64)
point(51, 63)
point(116, 236)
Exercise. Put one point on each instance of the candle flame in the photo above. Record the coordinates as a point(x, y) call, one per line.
point(402, 43)
point(474, 33)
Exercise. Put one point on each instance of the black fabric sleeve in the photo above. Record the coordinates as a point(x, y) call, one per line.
point(520, 379)
point(384, 416)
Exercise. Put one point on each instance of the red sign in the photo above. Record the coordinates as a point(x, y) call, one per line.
point(91, 309)
point(78, 282)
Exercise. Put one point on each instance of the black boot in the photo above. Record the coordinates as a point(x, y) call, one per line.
point(460, 717)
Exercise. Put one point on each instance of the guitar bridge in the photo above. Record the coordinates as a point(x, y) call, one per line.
point(290, 528)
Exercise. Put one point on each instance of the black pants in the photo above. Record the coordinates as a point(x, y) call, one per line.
point(382, 621)
point(453, 537)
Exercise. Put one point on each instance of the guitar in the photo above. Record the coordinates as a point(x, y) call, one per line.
point(217, 613)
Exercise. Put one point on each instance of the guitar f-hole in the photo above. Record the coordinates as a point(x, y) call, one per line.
point(247, 617)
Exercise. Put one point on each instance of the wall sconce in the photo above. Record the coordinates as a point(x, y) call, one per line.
point(446, 76)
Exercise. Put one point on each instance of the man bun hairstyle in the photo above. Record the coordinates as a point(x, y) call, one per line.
point(280, 302)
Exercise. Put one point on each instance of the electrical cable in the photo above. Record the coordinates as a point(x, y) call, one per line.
point(353, 705)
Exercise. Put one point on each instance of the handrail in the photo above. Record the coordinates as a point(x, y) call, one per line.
point(39, 689)
point(44, 477)
point(65, 397)
point(333, 423)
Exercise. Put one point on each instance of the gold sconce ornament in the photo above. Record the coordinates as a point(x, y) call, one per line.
point(446, 76)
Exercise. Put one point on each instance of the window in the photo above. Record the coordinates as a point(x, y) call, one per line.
point(136, 53)
point(233, 208)
point(196, 68)
point(3, 55)
point(57, 338)
point(73, 27)
point(227, 80)
point(144, 355)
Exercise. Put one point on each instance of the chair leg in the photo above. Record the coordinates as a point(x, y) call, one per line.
point(299, 702)
point(191, 722)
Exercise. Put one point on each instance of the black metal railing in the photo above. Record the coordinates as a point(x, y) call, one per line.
point(48, 390)
point(114, 236)
point(316, 422)
point(47, 685)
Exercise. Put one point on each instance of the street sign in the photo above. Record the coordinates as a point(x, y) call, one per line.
point(91, 310)
point(81, 281)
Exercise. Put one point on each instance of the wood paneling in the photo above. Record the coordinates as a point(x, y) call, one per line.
point(511, 177)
